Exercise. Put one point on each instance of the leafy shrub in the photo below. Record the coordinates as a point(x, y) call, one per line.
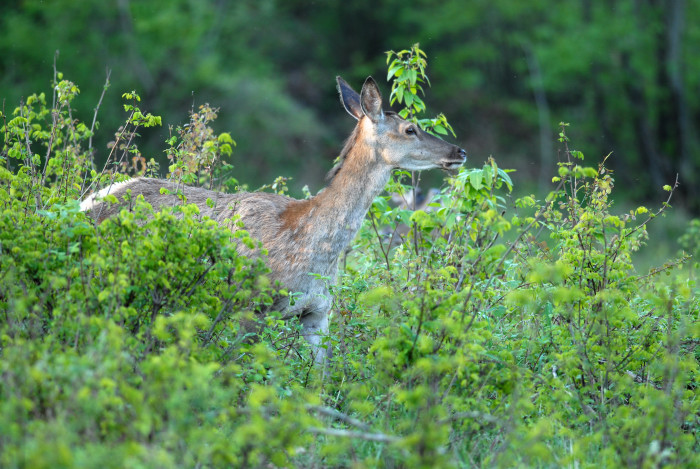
point(527, 340)
point(121, 343)
point(495, 334)
point(690, 240)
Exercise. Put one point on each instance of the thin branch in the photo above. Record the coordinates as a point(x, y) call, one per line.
point(670, 265)
point(27, 142)
point(378, 437)
point(118, 138)
point(220, 316)
point(470, 415)
point(381, 245)
point(658, 212)
point(108, 71)
point(6, 141)
point(640, 379)
point(538, 215)
point(55, 76)
point(327, 411)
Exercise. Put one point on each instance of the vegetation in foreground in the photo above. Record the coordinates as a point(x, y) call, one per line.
point(479, 332)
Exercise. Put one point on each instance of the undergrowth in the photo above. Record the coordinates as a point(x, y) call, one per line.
point(476, 332)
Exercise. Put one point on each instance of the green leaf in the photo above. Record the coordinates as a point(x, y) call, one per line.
point(110, 198)
point(504, 176)
point(412, 76)
point(393, 71)
point(487, 175)
point(475, 179)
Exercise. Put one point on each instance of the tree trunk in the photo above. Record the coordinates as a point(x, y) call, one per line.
point(646, 144)
point(544, 116)
point(679, 120)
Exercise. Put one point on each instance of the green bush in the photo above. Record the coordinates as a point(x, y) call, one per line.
point(495, 334)
point(120, 342)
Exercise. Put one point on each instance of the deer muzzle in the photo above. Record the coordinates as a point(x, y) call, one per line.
point(455, 160)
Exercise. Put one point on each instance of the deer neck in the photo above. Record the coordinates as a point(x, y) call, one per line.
point(345, 202)
point(329, 221)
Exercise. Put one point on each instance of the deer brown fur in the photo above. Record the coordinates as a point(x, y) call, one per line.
point(305, 237)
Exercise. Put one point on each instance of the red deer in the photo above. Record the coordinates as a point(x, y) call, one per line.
point(305, 237)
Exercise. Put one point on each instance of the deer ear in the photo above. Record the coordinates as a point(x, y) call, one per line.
point(371, 100)
point(349, 98)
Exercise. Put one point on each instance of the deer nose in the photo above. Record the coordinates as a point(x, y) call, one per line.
point(462, 153)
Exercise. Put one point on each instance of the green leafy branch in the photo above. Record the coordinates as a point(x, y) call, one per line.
point(407, 76)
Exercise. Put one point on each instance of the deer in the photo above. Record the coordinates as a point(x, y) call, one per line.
point(304, 238)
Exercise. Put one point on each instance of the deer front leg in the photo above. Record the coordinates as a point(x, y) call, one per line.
point(314, 328)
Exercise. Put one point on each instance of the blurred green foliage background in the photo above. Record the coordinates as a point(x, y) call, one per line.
point(621, 72)
point(503, 331)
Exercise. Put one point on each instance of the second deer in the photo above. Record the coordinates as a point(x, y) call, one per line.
point(306, 237)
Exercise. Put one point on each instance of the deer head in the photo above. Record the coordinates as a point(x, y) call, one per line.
point(397, 142)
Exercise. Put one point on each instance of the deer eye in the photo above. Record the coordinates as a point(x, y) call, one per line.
point(410, 130)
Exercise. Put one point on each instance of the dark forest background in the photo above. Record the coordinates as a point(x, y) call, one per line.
point(623, 73)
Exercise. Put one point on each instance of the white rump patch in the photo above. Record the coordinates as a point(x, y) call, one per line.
point(96, 197)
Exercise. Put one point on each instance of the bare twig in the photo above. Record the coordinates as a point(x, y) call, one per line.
point(378, 437)
point(381, 245)
point(658, 212)
point(470, 415)
point(327, 411)
point(7, 137)
point(669, 265)
point(55, 76)
point(108, 71)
